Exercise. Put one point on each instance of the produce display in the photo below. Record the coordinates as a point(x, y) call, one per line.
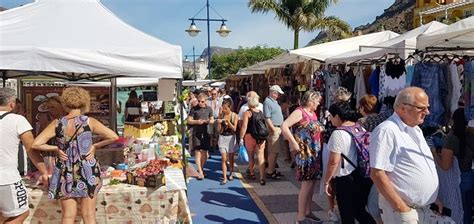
point(153, 168)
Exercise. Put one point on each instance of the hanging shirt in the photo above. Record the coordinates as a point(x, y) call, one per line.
point(359, 90)
point(374, 82)
point(394, 80)
point(332, 83)
point(456, 86)
point(469, 89)
point(431, 78)
point(410, 69)
point(348, 80)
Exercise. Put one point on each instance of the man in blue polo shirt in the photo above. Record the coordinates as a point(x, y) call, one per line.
point(274, 118)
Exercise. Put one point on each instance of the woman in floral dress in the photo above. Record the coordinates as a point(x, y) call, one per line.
point(76, 176)
point(304, 141)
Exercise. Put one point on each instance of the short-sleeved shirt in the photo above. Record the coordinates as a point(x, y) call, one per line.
point(341, 142)
point(203, 113)
point(272, 110)
point(245, 107)
point(403, 153)
point(451, 142)
point(11, 127)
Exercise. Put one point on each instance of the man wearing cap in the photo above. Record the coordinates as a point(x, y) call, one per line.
point(274, 118)
point(13, 129)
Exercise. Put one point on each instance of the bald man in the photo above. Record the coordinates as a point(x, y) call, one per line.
point(402, 166)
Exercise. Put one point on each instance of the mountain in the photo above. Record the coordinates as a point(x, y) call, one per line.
point(397, 18)
point(216, 50)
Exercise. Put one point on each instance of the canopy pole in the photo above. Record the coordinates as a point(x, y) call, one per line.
point(113, 104)
point(19, 88)
point(181, 127)
point(4, 77)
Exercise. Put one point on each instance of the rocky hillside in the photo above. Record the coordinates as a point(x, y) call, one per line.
point(216, 50)
point(397, 18)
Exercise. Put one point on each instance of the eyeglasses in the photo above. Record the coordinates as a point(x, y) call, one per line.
point(420, 108)
point(201, 101)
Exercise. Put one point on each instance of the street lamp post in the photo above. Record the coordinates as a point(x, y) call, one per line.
point(194, 62)
point(194, 31)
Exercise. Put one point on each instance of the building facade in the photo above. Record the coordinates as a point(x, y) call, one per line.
point(446, 11)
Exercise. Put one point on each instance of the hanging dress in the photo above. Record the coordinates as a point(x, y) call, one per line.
point(76, 177)
point(306, 133)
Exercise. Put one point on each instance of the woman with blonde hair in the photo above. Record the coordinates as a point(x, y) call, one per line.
point(305, 142)
point(76, 176)
point(251, 144)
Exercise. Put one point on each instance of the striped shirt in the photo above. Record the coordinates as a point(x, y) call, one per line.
point(403, 153)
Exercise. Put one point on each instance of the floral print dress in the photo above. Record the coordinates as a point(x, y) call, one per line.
point(75, 177)
point(307, 134)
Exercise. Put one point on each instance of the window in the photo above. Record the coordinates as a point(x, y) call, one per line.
point(468, 13)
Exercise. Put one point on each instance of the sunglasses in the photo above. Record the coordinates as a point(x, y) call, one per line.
point(419, 108)
point(202, 101)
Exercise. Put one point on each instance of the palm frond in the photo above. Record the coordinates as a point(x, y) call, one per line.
point(333, 26)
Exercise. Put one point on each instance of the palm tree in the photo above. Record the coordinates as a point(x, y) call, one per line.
point(307, 15)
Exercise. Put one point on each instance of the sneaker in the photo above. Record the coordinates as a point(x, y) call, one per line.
point(334, 215)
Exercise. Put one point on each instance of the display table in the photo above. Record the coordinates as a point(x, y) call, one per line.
point(121, 203)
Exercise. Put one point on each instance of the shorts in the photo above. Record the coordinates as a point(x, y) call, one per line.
point(250, 142)
point(275, 141)
point(201, 141)
point(14, 200)
point(227, 144)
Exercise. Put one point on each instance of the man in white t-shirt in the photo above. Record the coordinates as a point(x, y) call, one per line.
point(402, 166)
point(13, 129)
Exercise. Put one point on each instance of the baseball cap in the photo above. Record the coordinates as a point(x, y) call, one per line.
point(276, 88)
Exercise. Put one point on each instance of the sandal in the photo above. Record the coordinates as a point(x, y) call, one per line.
point(273, 175)
point(278, 173)
point(231, 178)
point(312, 217)
point(262, 182)
point(223, 182)
point(251, 177)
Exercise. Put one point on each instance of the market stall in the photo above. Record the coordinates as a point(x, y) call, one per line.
point(36, 45)
point(402, 45)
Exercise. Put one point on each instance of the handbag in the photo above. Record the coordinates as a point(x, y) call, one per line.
point(243, 155)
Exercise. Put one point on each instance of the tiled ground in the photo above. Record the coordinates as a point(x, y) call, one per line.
point(279, 198)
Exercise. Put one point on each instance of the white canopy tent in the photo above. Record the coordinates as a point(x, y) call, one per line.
point(326, 50)
point(80, 39)
point(276, 62)
point(403, 45)
point(456, 35)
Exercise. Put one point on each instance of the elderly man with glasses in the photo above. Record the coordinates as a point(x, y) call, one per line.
point(402, 165)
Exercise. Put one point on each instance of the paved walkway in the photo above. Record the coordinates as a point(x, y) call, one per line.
point(277, 200)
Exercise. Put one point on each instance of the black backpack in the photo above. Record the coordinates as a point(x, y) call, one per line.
point(5, 114)
point(258, 127)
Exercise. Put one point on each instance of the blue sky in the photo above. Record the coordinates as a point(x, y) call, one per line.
point(167, 20)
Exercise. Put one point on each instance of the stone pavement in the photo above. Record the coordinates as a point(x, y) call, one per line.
point(278, 199)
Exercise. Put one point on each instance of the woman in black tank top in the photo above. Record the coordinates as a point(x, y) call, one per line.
point(227, 126)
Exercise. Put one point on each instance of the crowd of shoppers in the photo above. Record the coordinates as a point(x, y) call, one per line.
point(396, 189)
